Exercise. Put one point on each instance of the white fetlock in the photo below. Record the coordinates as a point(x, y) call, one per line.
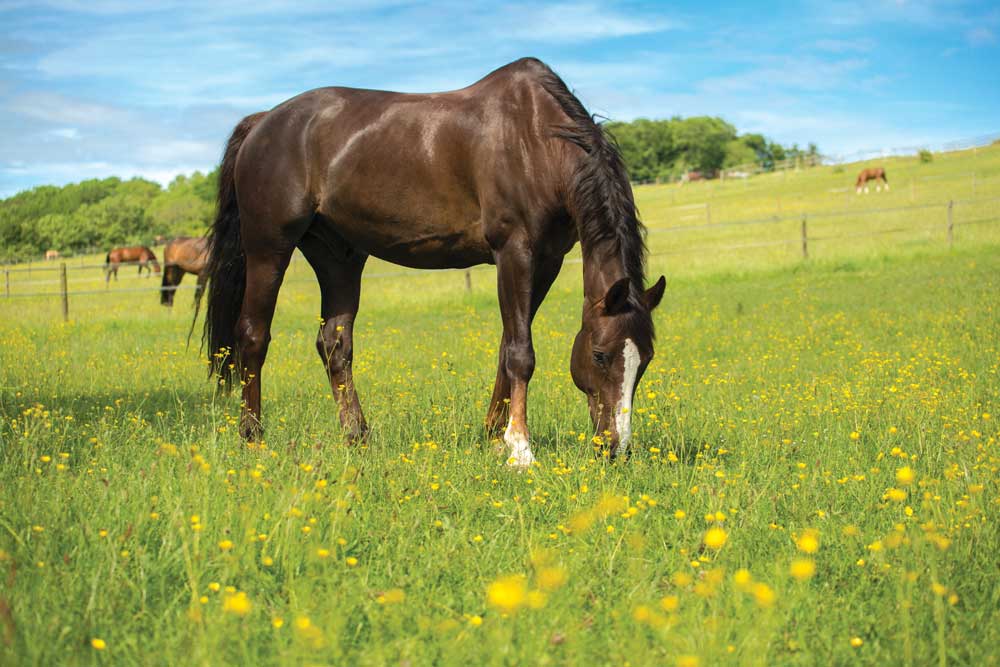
point(520, 451)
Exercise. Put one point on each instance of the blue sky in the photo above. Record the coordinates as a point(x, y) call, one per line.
point(91, 88)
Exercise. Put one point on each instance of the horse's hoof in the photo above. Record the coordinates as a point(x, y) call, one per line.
point(521, 461)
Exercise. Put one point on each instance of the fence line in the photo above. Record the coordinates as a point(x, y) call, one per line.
point(818, 214)
point(76, 267)
point(901, 182)
point(804, 239)
point(173, 288)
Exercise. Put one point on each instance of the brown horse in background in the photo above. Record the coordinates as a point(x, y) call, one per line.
point(510, 171)
point(871, 174)
point(180, 256)
point(138, 254)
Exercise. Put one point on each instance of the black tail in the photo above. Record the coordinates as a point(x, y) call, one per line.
point(226, 263)
point(198, 291)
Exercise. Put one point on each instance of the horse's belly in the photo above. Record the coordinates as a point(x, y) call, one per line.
point(418, 246)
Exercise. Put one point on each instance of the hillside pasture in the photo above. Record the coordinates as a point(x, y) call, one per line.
point(815, 477)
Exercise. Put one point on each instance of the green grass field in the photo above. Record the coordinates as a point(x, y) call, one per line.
point(815, 482)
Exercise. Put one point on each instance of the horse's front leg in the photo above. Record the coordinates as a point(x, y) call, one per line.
point(515, 272)
point(544, 273)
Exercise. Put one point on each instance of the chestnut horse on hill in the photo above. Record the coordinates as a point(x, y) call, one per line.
point(871, 174)
point(510, 171)
point(180, 256)
point(138, 254)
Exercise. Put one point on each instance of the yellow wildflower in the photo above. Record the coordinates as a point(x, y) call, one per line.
point(803, 568)
point(508, 593)
point(237, 603)
point(715, 538)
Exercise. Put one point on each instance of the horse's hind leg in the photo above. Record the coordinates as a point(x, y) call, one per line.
point(338, 269)
point(264, 273)
point(172, 276)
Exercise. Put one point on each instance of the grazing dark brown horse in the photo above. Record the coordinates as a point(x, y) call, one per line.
point(510, 171)
point(871, 174)
point(180, 256)
point(138, 254)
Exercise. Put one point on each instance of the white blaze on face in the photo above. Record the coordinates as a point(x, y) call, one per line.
point(520, 450)
point(623, 411)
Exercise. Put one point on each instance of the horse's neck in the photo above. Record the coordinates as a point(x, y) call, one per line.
point(602, 267)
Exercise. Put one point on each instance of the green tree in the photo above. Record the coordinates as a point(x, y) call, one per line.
point(702, 141)
point(738, 153)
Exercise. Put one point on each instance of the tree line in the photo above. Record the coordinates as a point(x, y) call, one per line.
point(101, 213)
point(663, 150)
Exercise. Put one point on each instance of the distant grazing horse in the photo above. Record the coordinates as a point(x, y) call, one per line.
point(871, 174)
point(51, 255)
point(510, 171)
point(138, 254)
point(184, 255)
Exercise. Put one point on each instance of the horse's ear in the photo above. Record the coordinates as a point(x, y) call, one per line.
point(654, 294)
point(616, 300)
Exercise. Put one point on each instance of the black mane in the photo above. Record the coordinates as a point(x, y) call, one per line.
point(600, 193)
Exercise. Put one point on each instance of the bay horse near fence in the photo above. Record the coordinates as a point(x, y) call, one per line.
point(184, 255)
point(871, 174)
point(138, 254)
point(510, 171)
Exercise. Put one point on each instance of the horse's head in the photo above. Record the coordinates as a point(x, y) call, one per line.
point(610, 354)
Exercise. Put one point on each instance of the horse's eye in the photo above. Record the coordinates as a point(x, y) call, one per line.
point(600, 358)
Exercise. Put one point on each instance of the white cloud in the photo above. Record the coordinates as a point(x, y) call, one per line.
point(178, 151)
point(789, 73)
point(845, 45)
point(60, 109)
point(980, 36)
point(61, 173)
point(64, 133)
point(576, 22)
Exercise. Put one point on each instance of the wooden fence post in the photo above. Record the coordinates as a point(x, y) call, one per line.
point(468, 280)
point(65, 291)
point(805, 239)
point(951, 224)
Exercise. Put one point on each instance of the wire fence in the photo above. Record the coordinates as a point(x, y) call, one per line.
point(804, 242)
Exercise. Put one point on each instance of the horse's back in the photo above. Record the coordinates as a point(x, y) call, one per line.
point(399, 174)
point(190, 254)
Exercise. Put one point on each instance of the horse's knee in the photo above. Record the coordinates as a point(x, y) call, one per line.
point(335, 348)
point(519, 360)
point(252, 339)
